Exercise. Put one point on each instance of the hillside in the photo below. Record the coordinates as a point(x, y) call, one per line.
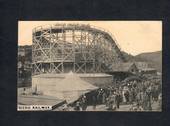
point(152, 57)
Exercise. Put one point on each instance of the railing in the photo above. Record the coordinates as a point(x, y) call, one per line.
point(107, 31)
point(39, 28)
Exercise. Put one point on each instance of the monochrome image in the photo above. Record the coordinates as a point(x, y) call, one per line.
point(89, 66)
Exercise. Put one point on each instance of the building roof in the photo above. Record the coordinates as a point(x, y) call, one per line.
point(122, 67)
point(73, 82)
point(144, 66)
point(125, 67)
point(149, 69)
point(72, 87)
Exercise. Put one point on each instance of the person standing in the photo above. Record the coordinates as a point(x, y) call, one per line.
point(160, 101)
point(77, 107)
point(117, 99)
point(148, 92)
point(104, 98)
point(84, 103)
point(140, 98)
point(127, 96)
point(98, 97)
point(112, 105)
point(94, 102)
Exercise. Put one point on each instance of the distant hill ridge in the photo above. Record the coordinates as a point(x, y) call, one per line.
point(153, 58)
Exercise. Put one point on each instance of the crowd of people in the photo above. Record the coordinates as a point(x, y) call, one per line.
point(138, 95)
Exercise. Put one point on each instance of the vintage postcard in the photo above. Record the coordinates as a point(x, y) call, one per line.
point(89, 66)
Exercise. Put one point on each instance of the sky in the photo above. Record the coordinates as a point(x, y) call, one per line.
point(133, 37)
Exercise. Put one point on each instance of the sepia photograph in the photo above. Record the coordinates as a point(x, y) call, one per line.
point(110, 66)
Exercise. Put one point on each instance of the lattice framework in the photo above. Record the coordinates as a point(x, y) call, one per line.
point(60, 48)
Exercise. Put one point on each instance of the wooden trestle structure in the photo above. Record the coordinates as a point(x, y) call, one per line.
point(61, 48)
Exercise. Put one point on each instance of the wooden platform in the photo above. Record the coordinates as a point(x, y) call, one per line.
point(40, 100)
